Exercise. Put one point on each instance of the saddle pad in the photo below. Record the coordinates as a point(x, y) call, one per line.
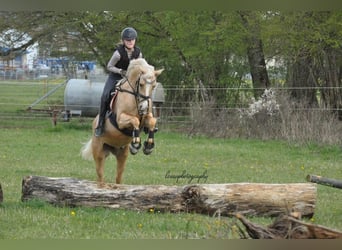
point(125, 131)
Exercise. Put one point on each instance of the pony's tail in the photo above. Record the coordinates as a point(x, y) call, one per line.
point(87, 151)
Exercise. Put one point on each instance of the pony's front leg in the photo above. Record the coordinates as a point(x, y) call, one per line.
point(150, 123)
point(126, 121)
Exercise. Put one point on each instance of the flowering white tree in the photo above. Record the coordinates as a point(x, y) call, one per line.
point(266, 104)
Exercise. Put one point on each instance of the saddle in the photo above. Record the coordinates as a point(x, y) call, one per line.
point(114, 94)
point(113, 97)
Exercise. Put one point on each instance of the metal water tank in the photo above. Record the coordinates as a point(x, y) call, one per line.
point(83, 96)
point(158, 95)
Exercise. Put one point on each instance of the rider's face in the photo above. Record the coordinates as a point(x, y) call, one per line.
point(129, 44)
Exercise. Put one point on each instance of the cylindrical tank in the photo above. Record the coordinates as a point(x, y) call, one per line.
point(83, 95)
point(158, 95)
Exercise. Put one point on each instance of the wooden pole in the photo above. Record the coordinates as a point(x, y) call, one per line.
point(220, 199)
point(324, 181)
point(1, 195)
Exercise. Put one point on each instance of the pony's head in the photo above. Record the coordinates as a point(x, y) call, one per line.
point(140, 68)
point(144, 74)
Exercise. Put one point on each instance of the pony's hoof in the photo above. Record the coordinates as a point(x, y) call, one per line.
point(136, 145)
point(133, 150)
point(101, 184)
point(148, 148)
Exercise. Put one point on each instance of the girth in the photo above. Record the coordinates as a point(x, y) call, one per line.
point(112, 119)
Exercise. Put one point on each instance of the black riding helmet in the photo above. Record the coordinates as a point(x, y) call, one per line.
point(129, 33)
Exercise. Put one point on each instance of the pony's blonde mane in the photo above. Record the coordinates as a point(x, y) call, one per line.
point(136, 66)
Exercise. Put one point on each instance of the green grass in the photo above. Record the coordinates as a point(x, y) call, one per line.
point(30, 145)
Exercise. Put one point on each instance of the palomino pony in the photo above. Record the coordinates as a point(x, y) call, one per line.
point(131, 111)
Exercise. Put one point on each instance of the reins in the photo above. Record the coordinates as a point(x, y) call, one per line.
point(135, 91)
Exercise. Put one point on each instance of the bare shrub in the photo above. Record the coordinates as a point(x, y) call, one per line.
point(308, 125)
point(207, 119)
point(273, 116)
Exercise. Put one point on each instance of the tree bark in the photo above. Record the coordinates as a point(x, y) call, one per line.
point(301, 79)
point(220, 199)
point(330, 68)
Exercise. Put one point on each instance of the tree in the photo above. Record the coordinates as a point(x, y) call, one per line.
point(204, 51)
point(255, 52)
point(309, 42)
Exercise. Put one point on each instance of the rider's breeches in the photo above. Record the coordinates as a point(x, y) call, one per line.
point(107, 90)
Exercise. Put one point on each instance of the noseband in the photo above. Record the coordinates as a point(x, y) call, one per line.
point(135, 91)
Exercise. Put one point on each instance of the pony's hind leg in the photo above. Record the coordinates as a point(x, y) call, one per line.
point(121, 157)
point(99, 157)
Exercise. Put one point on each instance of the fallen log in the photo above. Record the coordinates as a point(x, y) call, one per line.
point(221, 199)
point(288, 227)
point(324, 181)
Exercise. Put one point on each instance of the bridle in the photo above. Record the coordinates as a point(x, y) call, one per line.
point(139, 98)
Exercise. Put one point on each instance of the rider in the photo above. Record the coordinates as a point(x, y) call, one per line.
point(117, 66)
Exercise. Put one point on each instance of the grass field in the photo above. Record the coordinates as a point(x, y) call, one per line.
point(30, 145)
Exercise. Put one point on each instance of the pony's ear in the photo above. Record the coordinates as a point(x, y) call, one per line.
point(158, 72)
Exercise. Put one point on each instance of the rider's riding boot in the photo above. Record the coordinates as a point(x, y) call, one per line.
point(100, 126)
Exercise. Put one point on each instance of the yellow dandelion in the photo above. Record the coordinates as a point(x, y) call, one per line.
point(139, 225)
point(151, 210)
point(72, 213)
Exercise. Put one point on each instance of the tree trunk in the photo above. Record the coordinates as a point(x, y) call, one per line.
point(221, 199)
point(302, 80)
point(331, 77)
point(255, 53)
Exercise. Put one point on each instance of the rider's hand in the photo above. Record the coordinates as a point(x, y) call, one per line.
point(123, 73)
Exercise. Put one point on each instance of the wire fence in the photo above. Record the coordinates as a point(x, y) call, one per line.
point(16, 98)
